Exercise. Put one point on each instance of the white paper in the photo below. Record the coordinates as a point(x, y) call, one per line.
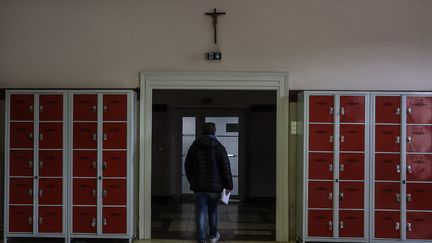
point(225, 197)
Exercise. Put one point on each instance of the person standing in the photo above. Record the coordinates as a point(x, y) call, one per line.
point(208, 171)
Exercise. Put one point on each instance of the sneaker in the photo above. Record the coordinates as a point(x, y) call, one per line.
point(215, 239)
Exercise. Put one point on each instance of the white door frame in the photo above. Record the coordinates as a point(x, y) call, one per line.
point(214, 81)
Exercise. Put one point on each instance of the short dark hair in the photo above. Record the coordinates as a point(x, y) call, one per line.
point(209, 128)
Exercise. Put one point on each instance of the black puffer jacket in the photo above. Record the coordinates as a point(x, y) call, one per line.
point(207, 166)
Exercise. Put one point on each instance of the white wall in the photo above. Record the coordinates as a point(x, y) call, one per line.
point(322, 44)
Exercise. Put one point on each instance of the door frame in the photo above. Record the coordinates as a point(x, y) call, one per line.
point(277, 81)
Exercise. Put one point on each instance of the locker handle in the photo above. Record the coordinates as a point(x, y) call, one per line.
point(409, 110)
point(330, 167)
point(41, 164)
point(30, 220)
point(409, 198)
point(105, 193)
point(41, 137)
point(409, 227)
point(341, 196)
point(105, 108)
point(94, 164)
point(105, 221)
point(397, 226)
point(409, 169)
point(40, 220)
point(330, 196)
point(342, 138)
point(330, 225)
point(30, 164)
point(93, 223)
point(331, 139)
point(342, 111)
point(398, 139)
point(105, 165)
point(398, 111)
point(30, 192)
point(331, 110)
point(94, 192)
point(30, 136)
point(397, 197)
point(409, 139)
point(94, 108)
point(341, 167)
point(31, 108)
point(341, 225)
point(40, 192)
point(94, 137)
point(105, 137)
point(398, 170)
point(41, 109)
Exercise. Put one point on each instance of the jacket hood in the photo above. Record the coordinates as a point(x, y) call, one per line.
point(206, 142)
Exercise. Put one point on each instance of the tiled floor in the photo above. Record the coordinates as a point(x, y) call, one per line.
point(250, 220)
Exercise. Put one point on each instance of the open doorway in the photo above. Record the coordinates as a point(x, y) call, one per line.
point(246, 126)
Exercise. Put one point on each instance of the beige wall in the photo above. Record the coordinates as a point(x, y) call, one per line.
point(322, 44)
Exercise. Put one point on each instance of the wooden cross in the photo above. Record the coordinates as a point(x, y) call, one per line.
point(215, 15)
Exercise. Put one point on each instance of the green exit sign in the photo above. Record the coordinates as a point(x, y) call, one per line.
point(214, 56)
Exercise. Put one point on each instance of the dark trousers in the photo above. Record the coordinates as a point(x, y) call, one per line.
point(207, 205)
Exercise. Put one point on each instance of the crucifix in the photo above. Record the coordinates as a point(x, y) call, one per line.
point(215, 15)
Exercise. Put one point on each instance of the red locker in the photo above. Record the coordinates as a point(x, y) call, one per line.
point(84, 163)
point(114, 192)
point(21, 191)
point(85, 107)
point(351, 223)
point(419, 167)
point(387, 138)
point(387, 195)
point(351, 166)
point(321, 166)
point(419, 196)
point(84, 191)
point(419, 110)
point(21, 219)
point(321, 108)
point(114, 164)
point(50, 191)
point(51, 107)
point(419, 139)
point(85, 135)
point(320, 194)
point(51, 163)
point(419, 225)
point(387, 224)
point(114, 135)
point(84, 220)
point(387, 109)
point(352, 109)
point(387, 167)
point(50, 135)
point(21, 163)
point(352, 137)
point(351, 195)
point(320, 223)
point(21, 135)
point(50, 219)
point(321, 137)
point(21, 107)
point(115, 107)
point(114, 220)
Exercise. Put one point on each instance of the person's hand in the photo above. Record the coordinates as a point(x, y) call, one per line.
point(227, 191)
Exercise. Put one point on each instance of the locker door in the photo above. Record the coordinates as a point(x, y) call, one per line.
point(419, 139)
point(21, 163)
point(387, 195)
point(419, 110)
point(419, 225)
point(84, 192)
point(321, 137)
point(84, 163)
point(84, 220)
point(114, 220)
point(419, 196)
point(351, 166)
point(114, 164)
point(51, 107)
point(352, 137)
point(419, 167)
point(387, 109)
point(50, 219)
point(321, 166)
point(351, 195)
point(114, 135)
point(321, 108)
point(84, 107)
point(387, 138)
point(50, 135)
point(21, 219)
point(50, 191)
point(320, 223)
point(115, 107)
point(84, 135)
point(387, 167)
point(352, 109)
point(351, 223)
point(21, 135)
point(21, 191)
point(21, 107)
point(320, 194)
point(387, 224)
point(114, 192)
point(51, 163)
